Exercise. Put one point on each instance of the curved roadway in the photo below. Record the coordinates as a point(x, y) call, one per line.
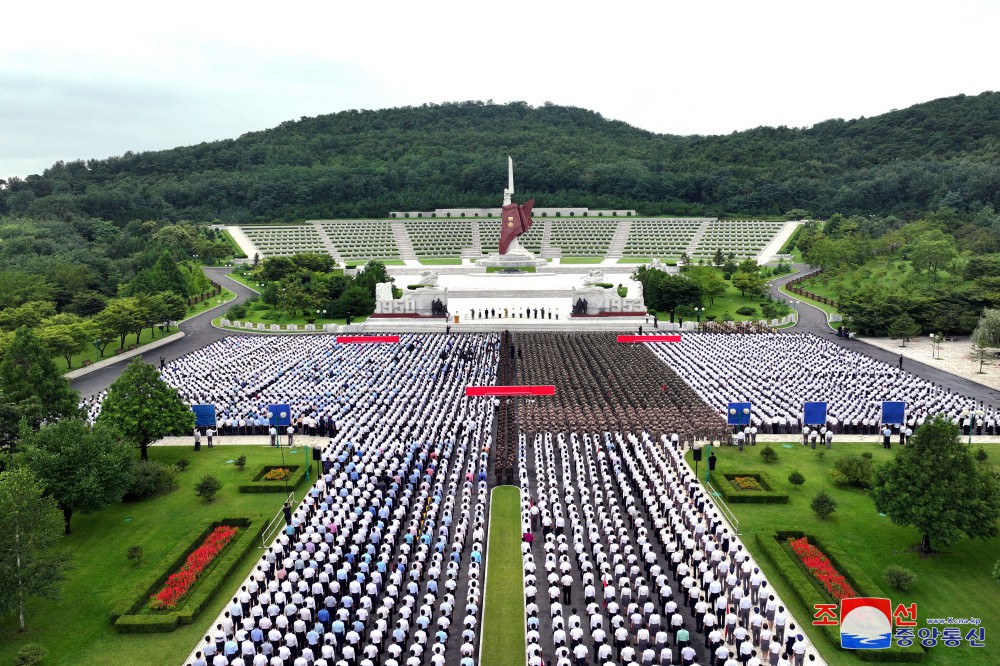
point(199, 332)
point(813, 320)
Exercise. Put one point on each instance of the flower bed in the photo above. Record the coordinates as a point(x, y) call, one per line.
point(277, 474)
point(822, 569)
point(734, 493)
point(746, 483)
point(179, 583)
point(269, 480)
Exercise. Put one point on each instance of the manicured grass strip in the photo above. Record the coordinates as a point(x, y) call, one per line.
point(953, 582)
point(440, 261)
point(76, 630)
point(581, 260)
point(503, 614)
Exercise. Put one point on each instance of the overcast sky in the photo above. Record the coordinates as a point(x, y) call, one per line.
point(94, 79)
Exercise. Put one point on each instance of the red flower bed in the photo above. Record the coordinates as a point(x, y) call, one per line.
point(179, 583)
point(822, 569)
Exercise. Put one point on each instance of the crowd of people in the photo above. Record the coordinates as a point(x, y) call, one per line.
point(627, 562)
point(382, 562)
point(603, 384)
point(778, 372)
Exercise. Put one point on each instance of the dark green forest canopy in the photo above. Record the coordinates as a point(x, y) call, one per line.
point(366, 163)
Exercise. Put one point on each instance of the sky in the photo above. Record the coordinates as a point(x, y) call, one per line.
point(95, 79)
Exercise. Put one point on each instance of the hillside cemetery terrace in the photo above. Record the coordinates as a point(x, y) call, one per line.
point(599, 238)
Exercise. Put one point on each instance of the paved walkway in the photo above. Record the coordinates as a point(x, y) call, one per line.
point(198, 332)
point(813, 320)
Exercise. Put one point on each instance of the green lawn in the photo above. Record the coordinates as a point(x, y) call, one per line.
point(954, 582)
point(581, 260)
point(75, 630)
point(503, 610)
point(730, 302)
point(645, 260)
point(440, 261)
point(822, 306)
point(145, 338)
point(500, 269)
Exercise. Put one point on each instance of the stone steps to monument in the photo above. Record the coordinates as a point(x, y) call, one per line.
point(510, 293)
point(328, 245)
point(696, 239)
point(617, 247)
point(403, 241)
point(477, 241)
point(547, 235)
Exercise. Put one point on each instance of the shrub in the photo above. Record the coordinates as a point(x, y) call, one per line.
point(867, 454)
point(238, 311)
point(207, 487)
point(768, 454)
point(823, 505)
point(820, 455)
point(854, 471)
point(996, 571)
point(182, 464)
point(981, 455)
point(899, 577)
point(134, 553)
point(726, 316)
point(241, 463)
point(149, 478)
point(796, 478)
point(747, 311)
point(30, 654)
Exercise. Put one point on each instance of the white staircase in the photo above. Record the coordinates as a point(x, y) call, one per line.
point(328, 244)
point(403, 241)
point(617, 247)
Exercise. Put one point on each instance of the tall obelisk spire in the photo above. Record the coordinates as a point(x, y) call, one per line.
point(510, 181)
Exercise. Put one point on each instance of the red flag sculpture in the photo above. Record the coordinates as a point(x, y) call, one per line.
point(515, 219)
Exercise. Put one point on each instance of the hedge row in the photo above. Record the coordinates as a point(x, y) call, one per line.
point(128, 619)
point(733, 496)
point(298, 473)
point(808, 591)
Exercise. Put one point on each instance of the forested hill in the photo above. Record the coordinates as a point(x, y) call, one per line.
point(366, 163)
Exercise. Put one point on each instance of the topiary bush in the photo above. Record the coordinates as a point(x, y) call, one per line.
point(796, 478)
point(182, 464)
point(207, 487)
point(854, 472)
point(981, 455)
point(768, 454)
point(823, 505)
point(899, 577)
point(149, 478)
point(241, 463)
point(134, 553)
point(30, 654)
point(747, 311)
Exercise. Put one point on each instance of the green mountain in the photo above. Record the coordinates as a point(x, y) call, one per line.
point(366, 163)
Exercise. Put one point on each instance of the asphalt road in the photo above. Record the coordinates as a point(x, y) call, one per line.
point(198, 332)
point(813, 320)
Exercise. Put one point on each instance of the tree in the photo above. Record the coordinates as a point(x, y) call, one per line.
point(134, 553)
point(748, 282)
point(29, 381)
point(987, 332)
point(903, 327)
point(823, 505)
point(144, 408)
point(66, 340)
point(122, 316)
point(83, 469)
point(935, 485)
point(31, 561)
point(710, 282)
point(796, 478)
point(353, 302)
point(207, 487)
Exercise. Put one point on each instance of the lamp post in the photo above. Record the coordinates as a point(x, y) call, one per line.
point(97, 345)
point(936, 340)
point(321, 315)
point(697, 313)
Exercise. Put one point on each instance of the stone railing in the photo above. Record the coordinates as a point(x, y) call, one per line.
point(791, 285)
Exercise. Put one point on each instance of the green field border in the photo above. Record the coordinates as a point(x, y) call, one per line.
point(503, 636)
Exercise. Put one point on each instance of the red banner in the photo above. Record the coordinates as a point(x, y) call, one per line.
point(649, 338)
point(510, 390)
point(362, 339)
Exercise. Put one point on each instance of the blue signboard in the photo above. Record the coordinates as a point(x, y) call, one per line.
point(279, 415)
point(738, 414)
point(893, 413)
point(814, 413)
point(204, 415)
